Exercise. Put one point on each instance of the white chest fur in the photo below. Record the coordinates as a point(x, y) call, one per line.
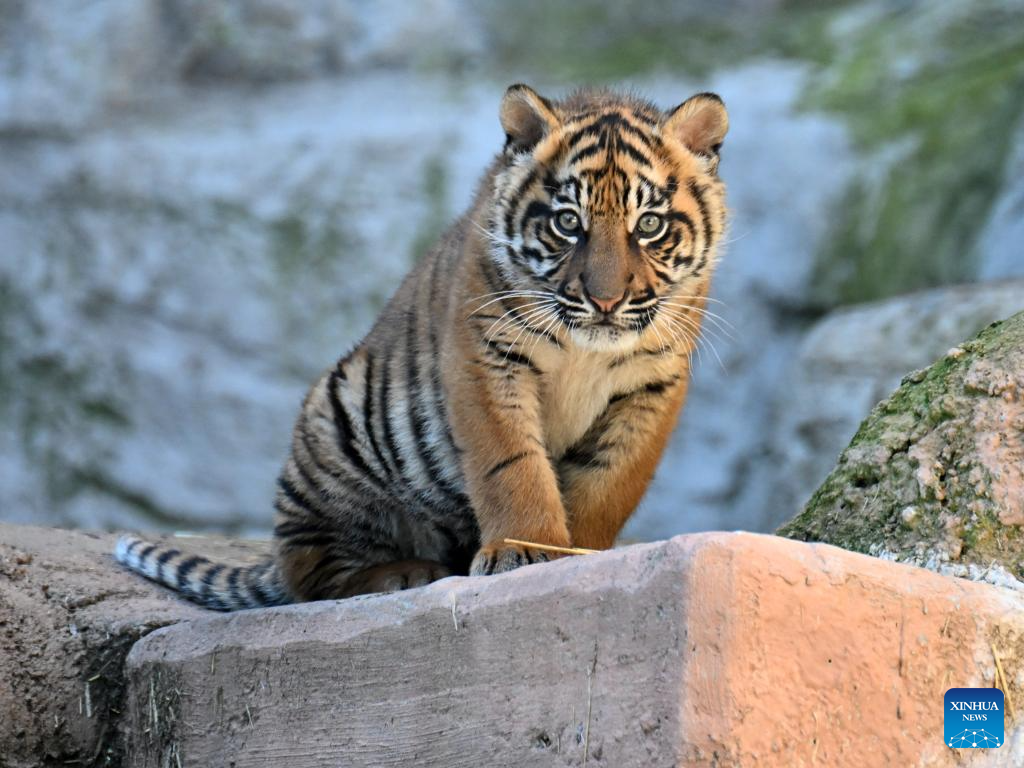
point(576, 387)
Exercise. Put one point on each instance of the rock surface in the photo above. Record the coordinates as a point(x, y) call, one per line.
point(853, 359)
point(935, 475)
point(706, 650)
point(68, 617)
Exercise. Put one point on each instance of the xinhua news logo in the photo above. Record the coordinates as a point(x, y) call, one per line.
point(973, 718)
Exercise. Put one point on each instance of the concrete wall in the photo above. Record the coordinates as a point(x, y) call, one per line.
point(706, 650)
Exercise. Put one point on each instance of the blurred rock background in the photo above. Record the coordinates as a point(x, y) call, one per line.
point(203, 203)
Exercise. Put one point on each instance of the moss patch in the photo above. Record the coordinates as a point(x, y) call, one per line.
point(297, 246)
point(881, 498)
point(932, 95)
point(593, 41)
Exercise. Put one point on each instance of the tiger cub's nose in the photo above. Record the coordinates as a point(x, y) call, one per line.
point(606, 305)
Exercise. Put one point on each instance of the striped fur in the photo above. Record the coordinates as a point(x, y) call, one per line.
point(524, 379)
point(215, 585)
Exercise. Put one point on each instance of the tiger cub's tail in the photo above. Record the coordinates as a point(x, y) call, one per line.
point(219, 586)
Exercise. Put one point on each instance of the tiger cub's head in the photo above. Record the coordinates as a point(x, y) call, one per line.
point(607, 207)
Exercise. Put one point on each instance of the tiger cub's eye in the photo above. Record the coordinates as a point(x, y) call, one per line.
point(649, 224)
point(567, 222)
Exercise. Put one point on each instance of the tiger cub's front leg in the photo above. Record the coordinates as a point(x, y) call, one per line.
point(604, 475)
point(509, 478)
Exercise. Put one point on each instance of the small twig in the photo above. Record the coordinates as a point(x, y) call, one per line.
point(152, 704)
point(552, 548)
point(1001, 676)
point(454, 601)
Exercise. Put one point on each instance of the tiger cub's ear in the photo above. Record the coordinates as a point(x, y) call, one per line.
point(526, 117)
point(700, 124)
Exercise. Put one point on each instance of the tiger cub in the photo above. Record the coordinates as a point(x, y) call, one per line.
point(524, 379)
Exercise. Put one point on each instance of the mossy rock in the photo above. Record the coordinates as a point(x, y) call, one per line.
point(935, 474)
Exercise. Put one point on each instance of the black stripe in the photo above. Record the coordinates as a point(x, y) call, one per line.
point(312, 485)
point(657, 387)
point(610, 122)
point(416, 419)
point(236, 596)
point(306, 439)
point(705, 216)
point(296, 497)
point(685, 220)
point(165, 557)
point(555, 245)
point(439, 409)
point(588, 151)
point(515, 198)
point(491, 275)
point(368, 416)
point(414, 389)
point(647, 296)
point(645, 352)
point(300, 534)
point(505, 464)
point(651, 388)
point(254, 582)
point(206, 593)
point(385, 416)
point(547, 274)
point(510, 355)
point(343, 426)
point(632, 152)
point(625, 197)
point(308, 540)
point(146, 553)
point(532, 254)
point(291, 528)
point(514, 257)
point(133, 545)
point(535, 210)
point(584, 455)
point(186, 567)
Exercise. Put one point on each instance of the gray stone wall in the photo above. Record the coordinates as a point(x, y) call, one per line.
point(203, 204)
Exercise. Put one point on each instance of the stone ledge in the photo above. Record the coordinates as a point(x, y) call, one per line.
point(68, 617)
point(708, 650)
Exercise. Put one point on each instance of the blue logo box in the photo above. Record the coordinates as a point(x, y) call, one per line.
point(973, 718)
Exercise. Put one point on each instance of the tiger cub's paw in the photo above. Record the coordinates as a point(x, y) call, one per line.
point(498, 557)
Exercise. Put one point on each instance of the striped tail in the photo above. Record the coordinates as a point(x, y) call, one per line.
point(219, 586)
